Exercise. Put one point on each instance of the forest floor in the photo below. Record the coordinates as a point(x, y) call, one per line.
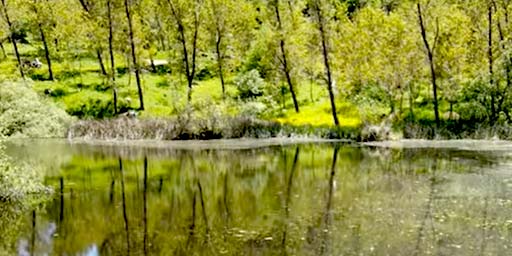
point(81, 90)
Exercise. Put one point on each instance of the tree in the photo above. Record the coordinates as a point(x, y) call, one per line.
point(188, 33)
point(219, 13)
point(111, 52)
point(38, 8)
point(127, 8)
point(491, 58)
point(321, 25)
point(430, 54)
point(284, 59)
point(12, 37)
point(91, 14)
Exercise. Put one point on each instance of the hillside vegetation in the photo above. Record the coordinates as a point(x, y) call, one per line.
point(420, 68)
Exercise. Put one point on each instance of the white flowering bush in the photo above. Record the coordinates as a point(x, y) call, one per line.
point(23, 113)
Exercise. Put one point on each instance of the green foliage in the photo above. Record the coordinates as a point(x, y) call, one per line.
point(18, 182)
point(377, 57)
point(94, 105)
point(250, 84)
point(21, 188)
point(23, 113)
point(475, 102)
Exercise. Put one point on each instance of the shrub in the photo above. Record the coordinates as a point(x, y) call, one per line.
point(163, 83)
point(67, 74)
point(250, 85)
point(23, 113)
point(94, 105)
point(252, 108)
point(57, 92)
point(204, 74)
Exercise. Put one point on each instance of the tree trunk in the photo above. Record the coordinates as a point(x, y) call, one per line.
point(100, 61)
point(219, 62)
point(286, 68)
point(152, 63)
point(134, 54)
point(325, 53)
point(46, 52)
point(491, 71)
point(411, 102)
point(111, 54)
point(13, 40)
point(189, 65)
point(430, 55)
point(192, 71)
point(508, 63)
point(218, 47)
point(3, 50)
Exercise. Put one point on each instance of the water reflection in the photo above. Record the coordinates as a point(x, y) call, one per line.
point(317, 199)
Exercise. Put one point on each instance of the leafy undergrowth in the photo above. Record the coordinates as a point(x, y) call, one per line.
point(86, 96)
point(23, 113)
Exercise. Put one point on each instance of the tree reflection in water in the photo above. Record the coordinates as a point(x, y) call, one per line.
point(329, 199)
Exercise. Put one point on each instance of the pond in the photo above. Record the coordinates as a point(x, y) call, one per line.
point(270, 198)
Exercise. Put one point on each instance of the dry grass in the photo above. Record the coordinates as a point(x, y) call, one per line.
point(183, 128)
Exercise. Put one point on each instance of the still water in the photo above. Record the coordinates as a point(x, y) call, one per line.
point(251, 198)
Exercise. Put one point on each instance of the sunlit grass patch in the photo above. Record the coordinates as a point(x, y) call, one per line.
point(320, 115)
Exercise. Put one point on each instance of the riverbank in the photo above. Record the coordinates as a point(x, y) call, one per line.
point(246, 127)
point(183, 128)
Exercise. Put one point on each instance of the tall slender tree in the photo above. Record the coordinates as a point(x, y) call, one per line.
point(188, 49)
point(491, 62)
point(88, 8)
point(284, 58)
point(111, 53)
point(127, 8)
point(12, 37)
point(40, 18)
point(430, 54)
point(219, 13)
point(321, 25)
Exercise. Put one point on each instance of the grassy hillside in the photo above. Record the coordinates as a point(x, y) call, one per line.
point(81, 90)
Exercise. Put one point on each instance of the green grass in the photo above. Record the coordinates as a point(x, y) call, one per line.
point(81, 90)
point(320, 114)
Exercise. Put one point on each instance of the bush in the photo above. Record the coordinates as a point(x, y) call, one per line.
point(204, 74)
point(94, 105)
point(58, 92)
point(122, 70)
point(250, 85)
point(23, 113)
point(68, 74)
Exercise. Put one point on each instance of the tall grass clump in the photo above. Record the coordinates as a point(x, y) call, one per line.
point(23, 113)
